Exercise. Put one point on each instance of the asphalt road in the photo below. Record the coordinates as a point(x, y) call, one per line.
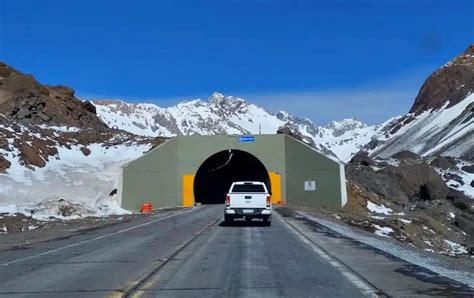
point(183, 254)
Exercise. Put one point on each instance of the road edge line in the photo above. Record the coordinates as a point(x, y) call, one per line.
point(364, 286)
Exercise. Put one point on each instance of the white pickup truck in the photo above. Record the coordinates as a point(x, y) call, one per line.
point(248, 199)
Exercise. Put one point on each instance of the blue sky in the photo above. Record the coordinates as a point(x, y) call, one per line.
point(323, 60)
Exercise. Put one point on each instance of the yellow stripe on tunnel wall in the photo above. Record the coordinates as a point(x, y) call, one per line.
point(188, 196)
point(275, 180)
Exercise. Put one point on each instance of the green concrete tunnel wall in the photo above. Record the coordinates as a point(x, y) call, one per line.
point(156, 177)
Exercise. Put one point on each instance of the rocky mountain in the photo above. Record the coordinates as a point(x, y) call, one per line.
point(26, 101)
point(54, 147)
point(419, 185)
point(451, 83)
point(441, 120)
point(424, 202)
point(222, 114)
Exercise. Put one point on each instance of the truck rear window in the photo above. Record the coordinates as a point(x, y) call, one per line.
point(248, 188)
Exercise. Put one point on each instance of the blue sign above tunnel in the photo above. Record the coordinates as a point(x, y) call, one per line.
point(246, 139)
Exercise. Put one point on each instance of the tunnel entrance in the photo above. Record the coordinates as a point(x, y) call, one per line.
point(216, 174)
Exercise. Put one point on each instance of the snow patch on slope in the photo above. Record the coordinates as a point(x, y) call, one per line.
point(380, 209)
point(382, 231)
point(447, 131)
point(458, 179)
point(86, 181)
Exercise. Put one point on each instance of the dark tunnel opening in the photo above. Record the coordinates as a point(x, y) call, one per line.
point(216, 174)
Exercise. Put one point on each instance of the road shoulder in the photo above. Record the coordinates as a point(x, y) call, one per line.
point(387, 274)
point(60, 228)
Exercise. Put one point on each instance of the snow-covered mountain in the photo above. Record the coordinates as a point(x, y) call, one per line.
point(441, 121)
point(447, 131)
point(222, 114)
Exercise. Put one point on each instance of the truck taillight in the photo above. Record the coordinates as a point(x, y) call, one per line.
point(269, 200)
point(227, 201)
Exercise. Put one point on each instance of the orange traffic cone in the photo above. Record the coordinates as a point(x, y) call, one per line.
point(146, 207)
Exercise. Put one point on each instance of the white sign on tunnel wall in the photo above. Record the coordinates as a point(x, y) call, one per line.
point(310, 185)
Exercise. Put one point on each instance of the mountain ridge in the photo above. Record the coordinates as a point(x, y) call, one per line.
point(441, 120)
point(223, 114)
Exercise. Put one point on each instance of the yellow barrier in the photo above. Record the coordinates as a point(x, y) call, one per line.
point(275, 180)
point(188, 196)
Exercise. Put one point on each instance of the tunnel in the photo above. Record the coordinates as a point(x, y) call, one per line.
point(216, 174)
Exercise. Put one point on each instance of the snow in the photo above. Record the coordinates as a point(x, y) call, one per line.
point(60, 128)
point(429, 230)
point(377, 217)
point(396, 250)
point(455, 249)
point(405, 221)
point(382, 231)
point(431, 132)
point(32, 227)
point(346, 137)
point(50, 209)
point(374, 208)
point(466, 178)
point(9, 209)
point(70, 176)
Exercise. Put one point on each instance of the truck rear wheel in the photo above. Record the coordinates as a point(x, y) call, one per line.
point(228, 219)
point(267, 221)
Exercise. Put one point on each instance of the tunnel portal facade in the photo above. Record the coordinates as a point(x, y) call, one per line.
point(200, 169)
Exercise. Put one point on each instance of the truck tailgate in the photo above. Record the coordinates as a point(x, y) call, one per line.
point(248, 200)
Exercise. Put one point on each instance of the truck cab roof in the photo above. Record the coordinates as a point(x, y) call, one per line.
point(249, 182)
point(249, 187)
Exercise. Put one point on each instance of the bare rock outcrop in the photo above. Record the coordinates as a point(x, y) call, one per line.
point(362, 158)
point(25, 100)
point(419, 180)
point(469, 169)
point(86, 151)
point(453, 82)
point(292, 133)
point(4, 164)
point(443, 162)
point(406, 155)
point(405, 183)
point(415, 194)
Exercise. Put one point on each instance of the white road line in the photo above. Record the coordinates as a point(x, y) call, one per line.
point(351, 277)
point(93, 239)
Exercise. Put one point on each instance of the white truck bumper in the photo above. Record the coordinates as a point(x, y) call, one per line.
point(263, 212)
